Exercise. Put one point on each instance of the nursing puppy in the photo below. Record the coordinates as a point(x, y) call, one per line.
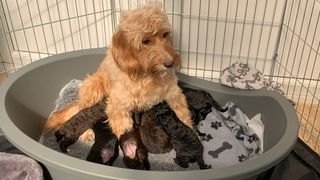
point(183, 139)
point(105, 149)
point(135, 154)
point(71, 130)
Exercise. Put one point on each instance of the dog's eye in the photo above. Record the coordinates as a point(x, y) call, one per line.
point(146, 41)
point(166, 34)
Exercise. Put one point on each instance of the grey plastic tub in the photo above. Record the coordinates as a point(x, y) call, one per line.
point(28, 96)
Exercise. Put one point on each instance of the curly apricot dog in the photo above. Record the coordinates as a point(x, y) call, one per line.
point(137, 73)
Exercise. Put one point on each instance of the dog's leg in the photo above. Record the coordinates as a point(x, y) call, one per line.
point(178, 104)
point(119, 119)
point(93, 89)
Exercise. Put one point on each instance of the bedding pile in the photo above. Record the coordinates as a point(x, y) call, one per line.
point(230, 137)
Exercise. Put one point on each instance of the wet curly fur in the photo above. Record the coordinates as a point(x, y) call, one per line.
point(137, 73)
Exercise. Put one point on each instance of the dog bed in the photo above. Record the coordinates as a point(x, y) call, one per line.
point(230, 137)
point(27, 98)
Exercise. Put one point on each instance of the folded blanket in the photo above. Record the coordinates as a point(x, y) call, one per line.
point(236, 127)
point(19, 167)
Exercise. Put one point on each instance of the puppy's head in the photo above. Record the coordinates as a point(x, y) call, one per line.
point(142, 43)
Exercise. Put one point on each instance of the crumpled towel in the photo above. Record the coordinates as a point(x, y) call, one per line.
point(231, 137)
point(19, 167)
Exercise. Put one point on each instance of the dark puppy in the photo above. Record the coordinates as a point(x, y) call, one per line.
point(135, 154)
point(153, 136)
point(71, 130)
point(201, 102)
point(184, 141)
point(155, 139)
point(105, 149)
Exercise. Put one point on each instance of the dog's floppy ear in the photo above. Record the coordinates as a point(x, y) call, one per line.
point(124, 55)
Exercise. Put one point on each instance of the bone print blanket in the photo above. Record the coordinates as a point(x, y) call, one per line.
point(230, 137)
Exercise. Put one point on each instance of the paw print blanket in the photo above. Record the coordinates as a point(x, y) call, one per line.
point(230, 137)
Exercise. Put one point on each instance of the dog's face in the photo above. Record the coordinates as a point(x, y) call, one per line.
point(142, 43)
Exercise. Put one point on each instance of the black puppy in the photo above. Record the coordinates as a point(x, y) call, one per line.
point(184, 141)
point(105, 149)
point(201, 102)
point(135, 154)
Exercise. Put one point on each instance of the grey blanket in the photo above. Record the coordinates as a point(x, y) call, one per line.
point(19, 167)
point(165, 162)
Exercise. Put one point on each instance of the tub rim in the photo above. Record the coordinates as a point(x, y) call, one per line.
point(65, 163)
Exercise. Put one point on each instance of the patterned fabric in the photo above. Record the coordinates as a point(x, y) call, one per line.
point(230, 137)
point(244, 76)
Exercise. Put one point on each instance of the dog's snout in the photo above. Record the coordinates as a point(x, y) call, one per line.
point(168, 64)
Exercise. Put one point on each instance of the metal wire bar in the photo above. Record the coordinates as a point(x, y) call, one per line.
point(280, 30)
point(259, 41)
point(14, 35)
point(284, 44)
point(234, 32)
point(251, 32)
point(206, 39)
point(87, 21)
point(198, 31)
point(6, 38)
point(214, 41)
point(314, 62)
point(224, 35)
point(4, 67)
point(34, 34)
point(76, 6)
point(188, 57)
point(245, 16)
point(223, 20)
point(64, 43)
point(71, 32)
point(308, 90)
point(295, 54)
point(314, 119)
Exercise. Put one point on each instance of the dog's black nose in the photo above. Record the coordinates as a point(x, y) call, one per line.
point(168, 64)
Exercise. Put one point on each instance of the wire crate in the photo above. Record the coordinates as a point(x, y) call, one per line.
point(281, 38)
